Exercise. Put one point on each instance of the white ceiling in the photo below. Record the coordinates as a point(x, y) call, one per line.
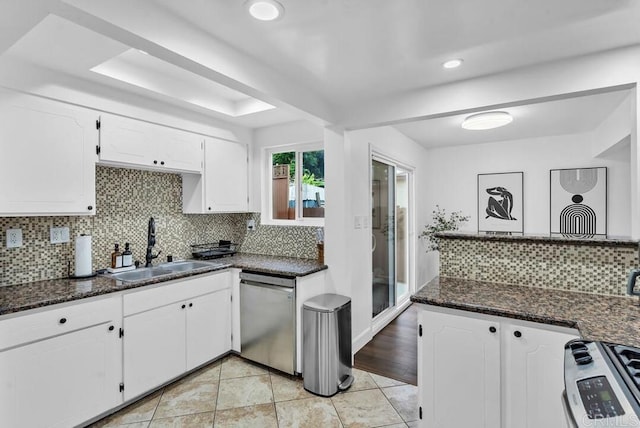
point(324, 56)
point(560, 117)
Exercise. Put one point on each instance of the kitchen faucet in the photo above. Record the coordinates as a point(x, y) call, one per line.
point(151, 241)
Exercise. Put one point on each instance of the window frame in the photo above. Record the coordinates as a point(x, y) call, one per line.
point(267, 202)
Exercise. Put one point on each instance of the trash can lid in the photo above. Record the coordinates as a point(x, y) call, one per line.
point(326, 302)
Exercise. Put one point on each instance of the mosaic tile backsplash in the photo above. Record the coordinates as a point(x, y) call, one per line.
point(597, 269)
point(125, 199)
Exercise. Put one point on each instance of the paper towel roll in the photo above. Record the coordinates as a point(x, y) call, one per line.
point(83, 256)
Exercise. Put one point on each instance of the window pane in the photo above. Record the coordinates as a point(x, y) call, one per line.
point(312, 192)
point(283, 187)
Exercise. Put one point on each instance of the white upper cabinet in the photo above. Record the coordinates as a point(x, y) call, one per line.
point(224, 187)
point(48, 155)
point(136, 144)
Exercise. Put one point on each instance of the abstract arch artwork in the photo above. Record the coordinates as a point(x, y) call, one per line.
point(578, 202)
point(500, 202)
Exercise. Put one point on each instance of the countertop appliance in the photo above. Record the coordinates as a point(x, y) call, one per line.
point(602, 384)
point(268, 320)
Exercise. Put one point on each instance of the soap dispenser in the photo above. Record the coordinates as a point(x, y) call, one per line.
point(116, 257)
point(127, 257)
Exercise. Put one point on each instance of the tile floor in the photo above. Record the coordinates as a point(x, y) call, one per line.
point(234, 393)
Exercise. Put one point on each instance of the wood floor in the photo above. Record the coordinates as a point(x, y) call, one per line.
point(393, 352)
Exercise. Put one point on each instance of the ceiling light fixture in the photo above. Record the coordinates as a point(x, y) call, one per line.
point(453, 63)
point(487, 120)
point(265, 10)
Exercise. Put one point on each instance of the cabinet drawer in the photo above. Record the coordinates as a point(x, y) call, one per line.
point(175, 291)
point(58, 320)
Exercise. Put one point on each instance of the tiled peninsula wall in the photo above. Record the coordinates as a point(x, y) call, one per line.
point(593, 266)
point(125, 199)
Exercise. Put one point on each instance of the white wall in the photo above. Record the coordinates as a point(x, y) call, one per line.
point(348, 250)
point(452, 177)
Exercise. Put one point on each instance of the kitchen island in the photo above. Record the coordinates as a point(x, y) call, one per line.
point(603, 318)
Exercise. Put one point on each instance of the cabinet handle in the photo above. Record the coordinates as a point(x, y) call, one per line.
point(190, 305)
point(184, 306)
point(517, 333)
point(162, 163)
point(63, 320)
point(111, 328)
point(209, 208)
point(155, 162)
point(492, 329)
point(90, 207)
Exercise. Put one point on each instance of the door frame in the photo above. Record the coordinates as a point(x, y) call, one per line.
point(388, 315)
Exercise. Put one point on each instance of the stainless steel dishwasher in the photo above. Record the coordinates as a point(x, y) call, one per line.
point(268, 320)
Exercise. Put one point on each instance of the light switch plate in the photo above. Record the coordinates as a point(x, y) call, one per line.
point(14, 238)
point(358, 222)
point(59, 235)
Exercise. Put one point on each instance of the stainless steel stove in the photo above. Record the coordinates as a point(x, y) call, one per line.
point(602, 384)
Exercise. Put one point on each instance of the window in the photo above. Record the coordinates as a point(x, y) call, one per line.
point(296, 179)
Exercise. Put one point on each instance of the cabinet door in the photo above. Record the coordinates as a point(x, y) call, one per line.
point(48, 157)
point(178, 150)
point(458, 371)
point(534, 376)
point(125, 141)
point(154, 348)
point(208, 327)
point(226, 176)
point(62, 381)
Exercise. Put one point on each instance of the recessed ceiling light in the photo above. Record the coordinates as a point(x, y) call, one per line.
point(488, 120)
point(452, 63)
point(265, 10)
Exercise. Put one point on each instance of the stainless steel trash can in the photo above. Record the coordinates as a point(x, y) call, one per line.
point(326, 344)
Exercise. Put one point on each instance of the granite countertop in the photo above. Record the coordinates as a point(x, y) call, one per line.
point(597, 317)
point(610, 241)
point(21, 297)
point(287, 266)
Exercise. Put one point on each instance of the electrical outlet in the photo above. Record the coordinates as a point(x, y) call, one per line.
point(14, 238)
point(251, 224)
point(59, 235)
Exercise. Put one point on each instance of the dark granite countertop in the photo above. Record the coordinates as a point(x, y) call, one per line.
point(21, 297)
point(597, 317)
point(609, 241)
point(288, 266)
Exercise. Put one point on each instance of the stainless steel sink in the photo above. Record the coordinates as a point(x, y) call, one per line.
point(141, 274)
point(184, 266)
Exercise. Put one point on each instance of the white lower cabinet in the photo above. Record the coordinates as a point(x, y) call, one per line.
point(208, 327)
point(174, 328)
point(154, 345)
point(485, 371)
point(70, 374)
point(534, 376)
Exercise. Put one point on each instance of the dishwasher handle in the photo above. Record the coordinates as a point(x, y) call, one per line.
point(282, 289)
point(268, 279)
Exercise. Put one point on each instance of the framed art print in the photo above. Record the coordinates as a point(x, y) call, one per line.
point(500, 202)
point(578, 206)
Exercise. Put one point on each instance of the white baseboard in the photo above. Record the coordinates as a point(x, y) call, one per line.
point(383, 320)
point(361, 340)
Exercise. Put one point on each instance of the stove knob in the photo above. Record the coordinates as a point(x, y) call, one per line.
point(582, 358)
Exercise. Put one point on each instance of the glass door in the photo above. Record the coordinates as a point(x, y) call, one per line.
point(383, 229)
